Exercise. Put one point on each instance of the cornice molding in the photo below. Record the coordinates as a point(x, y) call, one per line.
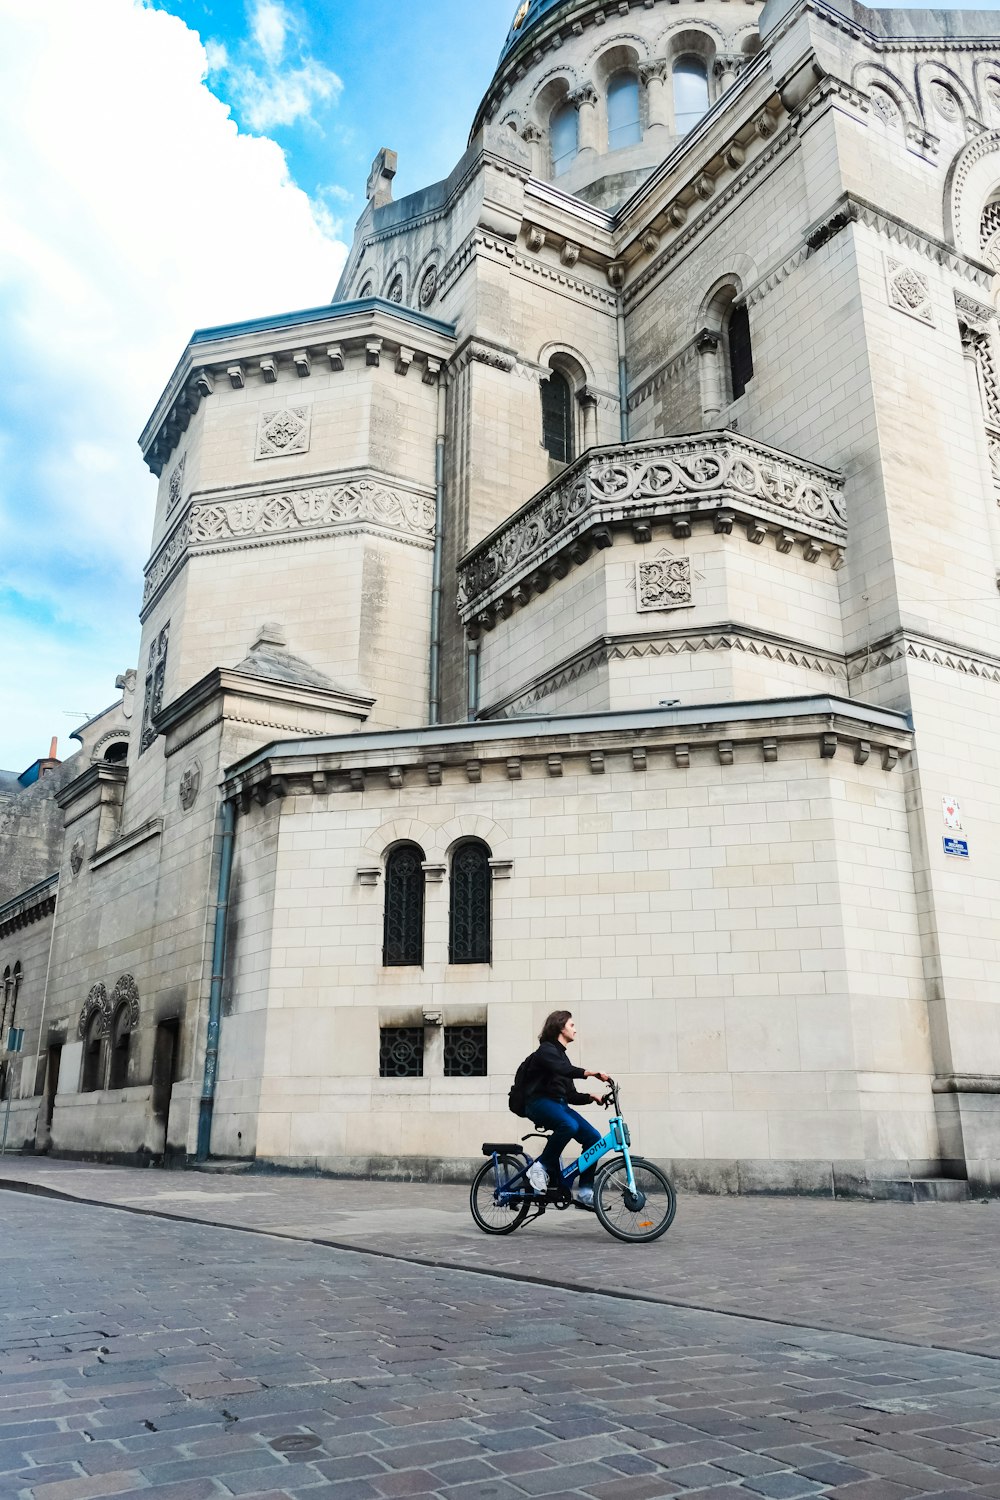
point(29, 906)
point(906, 645)
point(126, 841)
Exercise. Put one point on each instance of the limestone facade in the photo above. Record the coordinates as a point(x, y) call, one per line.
point(595, 605)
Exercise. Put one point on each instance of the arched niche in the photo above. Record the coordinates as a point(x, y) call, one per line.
point(972, 184)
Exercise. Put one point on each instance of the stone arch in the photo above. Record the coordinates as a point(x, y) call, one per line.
point(399, 831)
point(934, 72)
point(712, 35)
point(724, 291)
point(986, 74)
point(397, 276)
point(427, 282)
point(125, 995)
point(97, 1000)
point(467, 826)
point(570, 361)
point(746, 39)
point(551, 91)
point(973, 181)
point(104, 744)
point(603, 61)
point(868, 76)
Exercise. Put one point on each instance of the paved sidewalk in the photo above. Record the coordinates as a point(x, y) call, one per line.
point(926, 1274)
point(158, 1360)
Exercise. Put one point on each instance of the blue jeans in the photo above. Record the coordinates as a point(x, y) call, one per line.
point(565, 1125)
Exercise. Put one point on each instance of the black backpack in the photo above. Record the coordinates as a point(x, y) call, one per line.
point(518, 1096)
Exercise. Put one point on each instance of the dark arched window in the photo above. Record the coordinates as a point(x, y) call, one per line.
point(121, 1041)
point(92, 1055)
point(557, 417)
point(564, 136)
point(470, 938)
point(624, 128)
point(690, 93)
point(740, 351)
point(117, 753)
point(403, 932)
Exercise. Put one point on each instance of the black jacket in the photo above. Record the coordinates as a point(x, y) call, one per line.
point(551, 1076)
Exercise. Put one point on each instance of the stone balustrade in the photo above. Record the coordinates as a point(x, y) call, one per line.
point(717, 478)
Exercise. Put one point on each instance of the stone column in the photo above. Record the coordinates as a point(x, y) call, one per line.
point(588, 407)
point(536, 146)
point(654, 76)
point(725, 69)
point(709, 347)
point(585, 101)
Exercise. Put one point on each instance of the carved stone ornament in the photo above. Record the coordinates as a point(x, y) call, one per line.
point(989, 234)
point(884, 106)
point(367, 290)
point(97, 1000)
point(993, 92)
point(76, 856)
point(176, 483)
point(190, 785)
point(283, 431)
point(909, 290)
point(304, 510)
point(126, 993)
point(395, 292)
point(664, 583)
point(945, 101)
point(428, 286)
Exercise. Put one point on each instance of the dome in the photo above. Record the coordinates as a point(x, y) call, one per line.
point(528, 14)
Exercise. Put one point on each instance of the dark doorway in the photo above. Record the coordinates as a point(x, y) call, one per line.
point(52, 1064)
point(165, 1050)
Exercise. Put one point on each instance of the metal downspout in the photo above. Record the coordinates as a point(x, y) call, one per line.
point(435, 660)
point(622, 370)
point(207, 1105)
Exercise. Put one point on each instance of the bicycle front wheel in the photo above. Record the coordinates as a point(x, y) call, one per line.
point(635, 1217)
point(491, 1216)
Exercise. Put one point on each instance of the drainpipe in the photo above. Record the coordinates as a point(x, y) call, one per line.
point(435, 663)
point(228, 820)
point(622, 370)
point(473, 679)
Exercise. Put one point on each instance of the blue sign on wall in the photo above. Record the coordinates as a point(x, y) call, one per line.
point(959, 848)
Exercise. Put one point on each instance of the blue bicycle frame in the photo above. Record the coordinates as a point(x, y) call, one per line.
point(617, 1138)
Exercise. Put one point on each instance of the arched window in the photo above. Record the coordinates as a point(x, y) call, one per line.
point(624, 128)
point(403, 929)
point(557, 417)
point(121, 1042)
point(92, 1054)
point(740, 350)
point(117, 753)
point(564, 137)
point(690, 92)
point(470, 938)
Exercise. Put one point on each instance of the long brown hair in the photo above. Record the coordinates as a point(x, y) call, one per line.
point(552, 1030)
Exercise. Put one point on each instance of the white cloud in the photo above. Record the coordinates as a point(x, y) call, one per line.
point(133, 211)
point(270, 24)
point(281, 98)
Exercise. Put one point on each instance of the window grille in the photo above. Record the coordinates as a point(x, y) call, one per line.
point(403, 932)
point(401, 1052)
point(470, 916)
point(740, 351)
point(465, 1051)
point(624, 127)
point(557, 417)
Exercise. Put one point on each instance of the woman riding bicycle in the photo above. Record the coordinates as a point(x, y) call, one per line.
point(550, 1091)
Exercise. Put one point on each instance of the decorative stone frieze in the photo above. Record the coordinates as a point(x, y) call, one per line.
point(287, 515)
point(29, 907)
point(692, 477)
point(909, 290)
point(282, 431)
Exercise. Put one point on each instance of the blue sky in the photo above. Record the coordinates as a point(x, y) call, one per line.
point(167, 165)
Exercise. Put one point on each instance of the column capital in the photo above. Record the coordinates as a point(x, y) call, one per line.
point(585, 94)
point(657, 69)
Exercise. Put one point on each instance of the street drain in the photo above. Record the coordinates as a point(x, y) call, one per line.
point(294, 1442)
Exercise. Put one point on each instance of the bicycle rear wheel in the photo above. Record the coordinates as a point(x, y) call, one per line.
point(629, 1217)
point(491, 1216)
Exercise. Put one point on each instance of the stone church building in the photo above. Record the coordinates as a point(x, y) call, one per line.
point(594, 606)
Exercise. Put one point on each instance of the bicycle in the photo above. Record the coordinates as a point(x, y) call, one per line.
point(633, 1199)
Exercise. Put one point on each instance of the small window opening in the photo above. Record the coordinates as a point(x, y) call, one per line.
point(121, 1042)
point(690, 93)
point(92, 1054)
point(117, 753)
point(740, 350)
point(403, 929)
point(624, 127)
point(470, 914)
point(557, 417)
point(564, 135)
point(465, 1051)
point(401, 1052)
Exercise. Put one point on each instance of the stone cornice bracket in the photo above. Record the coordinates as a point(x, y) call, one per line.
point(717, 478)
point(29, 906)
point(535, 238)
point(616, 270)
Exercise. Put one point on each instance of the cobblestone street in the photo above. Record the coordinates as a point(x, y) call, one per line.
point(148, 1355)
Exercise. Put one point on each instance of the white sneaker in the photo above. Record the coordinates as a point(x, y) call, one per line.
point(538, 1177)
point(584, 1197)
